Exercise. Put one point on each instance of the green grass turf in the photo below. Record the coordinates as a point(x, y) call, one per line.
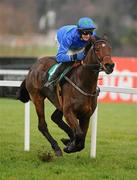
point(116, 146)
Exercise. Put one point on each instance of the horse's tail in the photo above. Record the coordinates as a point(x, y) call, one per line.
point(23, 94)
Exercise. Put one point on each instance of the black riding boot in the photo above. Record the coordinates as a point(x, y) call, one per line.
point(60, 69)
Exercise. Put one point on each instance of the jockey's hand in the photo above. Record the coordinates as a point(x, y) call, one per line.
point(79, 56)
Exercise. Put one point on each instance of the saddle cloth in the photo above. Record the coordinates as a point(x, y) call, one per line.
point(53, 68)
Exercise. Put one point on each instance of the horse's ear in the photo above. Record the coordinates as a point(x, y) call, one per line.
point(105, 36)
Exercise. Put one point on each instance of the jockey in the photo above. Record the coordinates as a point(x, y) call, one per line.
point(72, 40)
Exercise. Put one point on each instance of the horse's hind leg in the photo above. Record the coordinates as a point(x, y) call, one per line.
point(42, 125)
point(57, 118)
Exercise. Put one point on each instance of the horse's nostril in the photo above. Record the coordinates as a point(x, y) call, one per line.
point(111, 66)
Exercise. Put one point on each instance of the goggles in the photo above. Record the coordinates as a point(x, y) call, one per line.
point(86, 31)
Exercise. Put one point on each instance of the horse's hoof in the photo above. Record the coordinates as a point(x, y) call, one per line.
point(73, 148)
point(65, 141)
point(58, 153)
point(66, 150)
point(70, 149)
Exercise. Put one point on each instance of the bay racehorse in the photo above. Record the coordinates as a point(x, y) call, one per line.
point(75, 98)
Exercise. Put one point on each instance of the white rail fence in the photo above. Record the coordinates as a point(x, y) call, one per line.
point(93, 118)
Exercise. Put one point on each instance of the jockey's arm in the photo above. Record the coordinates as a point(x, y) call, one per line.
point(62, 53)
point(63, 57)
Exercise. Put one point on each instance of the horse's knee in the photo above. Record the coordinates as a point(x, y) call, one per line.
point(42, 127)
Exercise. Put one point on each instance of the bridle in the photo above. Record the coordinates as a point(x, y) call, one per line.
point(97, 67)
point(94, 45)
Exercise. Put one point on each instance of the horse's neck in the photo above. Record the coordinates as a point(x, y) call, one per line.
point(90, 58)
point(89, 77)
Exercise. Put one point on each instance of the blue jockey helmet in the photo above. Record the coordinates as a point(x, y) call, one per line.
point(86, 23)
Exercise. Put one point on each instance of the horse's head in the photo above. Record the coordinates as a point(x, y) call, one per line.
point(102, 51)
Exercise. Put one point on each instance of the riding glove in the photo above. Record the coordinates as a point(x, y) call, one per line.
point(79, 56)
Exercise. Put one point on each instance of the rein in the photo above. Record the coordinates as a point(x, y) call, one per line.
point(94, 67)
point(96, 93)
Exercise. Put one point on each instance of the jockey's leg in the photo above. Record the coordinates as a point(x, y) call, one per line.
point(60, 69)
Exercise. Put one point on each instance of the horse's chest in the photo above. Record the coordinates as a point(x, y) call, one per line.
point(86, 105)
point(87, 109)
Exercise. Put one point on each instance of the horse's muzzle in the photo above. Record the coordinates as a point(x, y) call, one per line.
point(109, 68)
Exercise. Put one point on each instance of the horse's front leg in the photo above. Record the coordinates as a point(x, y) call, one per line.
point(42, 125)
point(76, 144)
point(84, 124)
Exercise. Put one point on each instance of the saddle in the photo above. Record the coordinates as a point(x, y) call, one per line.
point(53, 68)
point(61, 80)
